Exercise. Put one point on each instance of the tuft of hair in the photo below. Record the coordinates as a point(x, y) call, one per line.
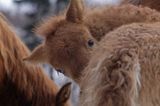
point(48, 26)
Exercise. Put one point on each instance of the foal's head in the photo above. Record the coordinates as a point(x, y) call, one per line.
point(68, 43)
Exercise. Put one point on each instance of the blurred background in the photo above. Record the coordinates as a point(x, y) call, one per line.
point(25, 14)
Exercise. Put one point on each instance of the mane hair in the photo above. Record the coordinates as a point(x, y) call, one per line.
point(21, 84)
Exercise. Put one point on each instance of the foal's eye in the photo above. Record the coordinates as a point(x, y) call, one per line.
point(90, 43)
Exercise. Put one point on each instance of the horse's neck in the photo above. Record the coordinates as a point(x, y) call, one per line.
point(28, 81)
point(103, 20)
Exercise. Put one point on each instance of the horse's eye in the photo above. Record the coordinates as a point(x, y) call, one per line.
point(90, 43)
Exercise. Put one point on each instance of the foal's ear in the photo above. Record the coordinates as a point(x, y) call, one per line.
point(64, 94)
point(75, 11)
point(37, 56)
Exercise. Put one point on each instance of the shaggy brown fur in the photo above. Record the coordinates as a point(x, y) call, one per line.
point(154, 4)
point(68, 42)
point(125, 69)
point(21, 84)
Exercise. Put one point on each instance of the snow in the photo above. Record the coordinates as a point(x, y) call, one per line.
point(102, 2)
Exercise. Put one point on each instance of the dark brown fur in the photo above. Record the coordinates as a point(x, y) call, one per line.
point(21, 84)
